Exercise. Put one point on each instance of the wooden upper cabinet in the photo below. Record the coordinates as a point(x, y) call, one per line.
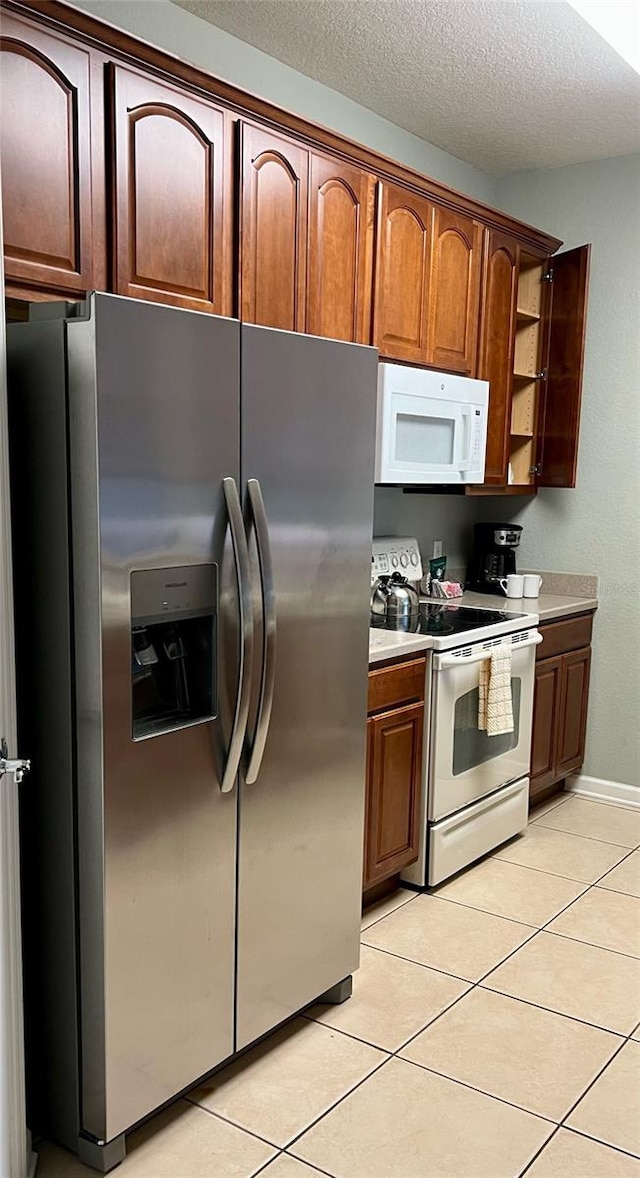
point(45, 143)
point(273, 229)
point(454, 292)
point(497, 333)
point(402, 274)
point(340, 250)
point(560, 421)
point(169, 209)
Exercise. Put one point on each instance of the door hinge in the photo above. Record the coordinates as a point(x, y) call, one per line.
point(542, 375)
point(18, 767)
point(537, 469)
point(548, 277)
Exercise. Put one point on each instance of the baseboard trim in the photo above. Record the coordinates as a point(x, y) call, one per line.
point(601, 790)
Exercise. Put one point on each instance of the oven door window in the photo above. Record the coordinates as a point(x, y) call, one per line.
point(471, 746)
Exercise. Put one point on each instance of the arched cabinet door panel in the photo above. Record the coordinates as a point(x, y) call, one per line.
point(454, 292)
point(340, 252)
point(45, 146)
point(497, 337)
point(273, 229)
point(402, 274)
point(170, 225)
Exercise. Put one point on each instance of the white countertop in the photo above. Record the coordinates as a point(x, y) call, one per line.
point(390, 644)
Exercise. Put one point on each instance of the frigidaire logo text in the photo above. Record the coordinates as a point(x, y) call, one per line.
point(175, 584)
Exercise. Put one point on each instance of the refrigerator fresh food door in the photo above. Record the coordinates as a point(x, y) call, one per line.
point(308, 426)
point(157, 666)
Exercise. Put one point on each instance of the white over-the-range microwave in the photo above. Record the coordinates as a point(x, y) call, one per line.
point(431, 427)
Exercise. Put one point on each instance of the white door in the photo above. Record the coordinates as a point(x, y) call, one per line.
point(13, 1137)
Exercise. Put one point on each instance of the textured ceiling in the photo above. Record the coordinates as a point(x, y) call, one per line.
point(506, 85)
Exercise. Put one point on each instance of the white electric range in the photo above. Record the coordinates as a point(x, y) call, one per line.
point(476, 787)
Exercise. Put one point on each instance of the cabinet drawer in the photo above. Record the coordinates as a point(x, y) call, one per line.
point(392, 686)
point(561, 637)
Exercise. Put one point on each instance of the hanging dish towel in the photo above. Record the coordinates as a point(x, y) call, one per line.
point(495, 705)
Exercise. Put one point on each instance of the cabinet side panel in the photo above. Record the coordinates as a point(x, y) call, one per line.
point(38, 436)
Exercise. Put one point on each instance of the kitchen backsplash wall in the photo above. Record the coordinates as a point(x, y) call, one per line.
point(429, 517)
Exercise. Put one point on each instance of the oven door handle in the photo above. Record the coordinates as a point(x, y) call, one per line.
point(447, 662)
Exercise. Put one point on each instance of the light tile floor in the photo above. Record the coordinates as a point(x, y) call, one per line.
point(493, 1032)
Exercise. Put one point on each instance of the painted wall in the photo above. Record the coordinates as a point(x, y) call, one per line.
point(428, 517)
point(197, 41)
point(596, 527)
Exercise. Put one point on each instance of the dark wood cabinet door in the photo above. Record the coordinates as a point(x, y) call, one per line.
point(560, 418)
point(394, 784)
point(402, 274)
point(273, 229)
point(497, 335)
point(45, 145)
point(546, 707)
point(454, 292)
point(169, 216)
point(340, 250)
point(572, 713)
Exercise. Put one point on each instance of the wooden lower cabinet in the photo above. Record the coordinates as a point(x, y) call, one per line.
point(560, 703)
point(394, 771)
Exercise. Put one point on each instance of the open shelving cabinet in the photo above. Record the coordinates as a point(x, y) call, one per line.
point(531, 340)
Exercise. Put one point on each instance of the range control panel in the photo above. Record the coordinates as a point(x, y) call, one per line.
point(395, 554)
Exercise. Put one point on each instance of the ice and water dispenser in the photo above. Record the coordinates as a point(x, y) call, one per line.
point(173, 647)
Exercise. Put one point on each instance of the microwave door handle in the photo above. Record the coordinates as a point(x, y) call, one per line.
point(241, 557)
point(448, 662)
point(465, 417)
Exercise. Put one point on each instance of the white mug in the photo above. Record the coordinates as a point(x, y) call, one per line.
point(532, 583)
point(512, 585)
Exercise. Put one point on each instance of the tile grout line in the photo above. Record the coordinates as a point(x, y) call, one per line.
point(560, 1013)
point(413, 896)
point(539, 1152)
point(594, 1081)
point(481, 1091)
point(456, 977)
point(301, 1132)
point(312, 1165)
point(236, 1124)
point(576, 834)
point(607, 1144)
point(335, 1104)
point(460, 904)
point(591, 944)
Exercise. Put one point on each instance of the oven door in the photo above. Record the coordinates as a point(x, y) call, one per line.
point(465, 764)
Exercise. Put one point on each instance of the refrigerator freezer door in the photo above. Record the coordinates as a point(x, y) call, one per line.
point(308, 413)
point(158, 389)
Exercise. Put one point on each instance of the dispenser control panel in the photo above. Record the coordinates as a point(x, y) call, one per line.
point(395, 554)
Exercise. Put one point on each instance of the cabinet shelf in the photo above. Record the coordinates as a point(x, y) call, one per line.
point(521, 433)
point(526, 376)
point(524, 316)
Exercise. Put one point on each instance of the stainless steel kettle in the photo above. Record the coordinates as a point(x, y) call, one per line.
point(394, 597)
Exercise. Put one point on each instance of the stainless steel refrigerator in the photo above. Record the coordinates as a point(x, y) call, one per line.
point(193, 551)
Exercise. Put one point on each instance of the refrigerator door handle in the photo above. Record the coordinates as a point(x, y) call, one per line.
point(268, 673)
point(241, 557)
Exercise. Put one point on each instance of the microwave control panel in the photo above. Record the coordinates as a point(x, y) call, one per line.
point(395, 554)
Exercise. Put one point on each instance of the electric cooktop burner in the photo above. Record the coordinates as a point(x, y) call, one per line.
point(440, 618)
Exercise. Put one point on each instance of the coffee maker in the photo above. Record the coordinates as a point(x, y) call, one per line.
point(493, 556)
